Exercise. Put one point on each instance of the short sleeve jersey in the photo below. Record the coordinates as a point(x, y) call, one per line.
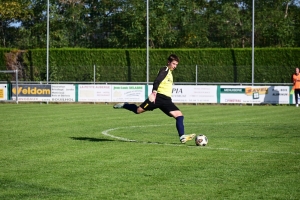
point(296, 81)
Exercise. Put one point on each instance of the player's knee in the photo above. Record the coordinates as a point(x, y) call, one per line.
point(139, 110)
point(176, 113)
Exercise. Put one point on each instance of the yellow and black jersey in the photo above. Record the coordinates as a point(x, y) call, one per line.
point(163, 82)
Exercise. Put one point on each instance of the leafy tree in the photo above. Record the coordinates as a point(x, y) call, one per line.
point(178, 24)
point(12, 11)
point(172, 23)
point(273, 26)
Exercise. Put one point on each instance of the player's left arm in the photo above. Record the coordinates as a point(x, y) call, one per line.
point(160, 77)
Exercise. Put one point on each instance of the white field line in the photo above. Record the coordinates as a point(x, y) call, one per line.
point(106, 133)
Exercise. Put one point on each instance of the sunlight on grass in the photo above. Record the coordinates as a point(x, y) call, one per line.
point(81, 151)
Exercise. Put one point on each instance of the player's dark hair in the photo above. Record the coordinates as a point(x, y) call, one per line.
point(173, 57)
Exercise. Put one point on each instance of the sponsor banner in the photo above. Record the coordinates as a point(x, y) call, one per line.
point(137, 93)
point(127, 93)
point(278, 95)
point(40, 92)
point(255, 94)
point(192, 94)
point(34, 90)
point(62, 93)
point(3, 91)
point(232, 90)
point(94, 93)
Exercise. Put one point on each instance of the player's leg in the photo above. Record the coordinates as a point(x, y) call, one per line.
point(145, 106)
point(297, 93)
point(171, 110)
point(131, 107)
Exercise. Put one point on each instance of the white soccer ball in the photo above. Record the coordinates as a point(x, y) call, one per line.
point(201, 140)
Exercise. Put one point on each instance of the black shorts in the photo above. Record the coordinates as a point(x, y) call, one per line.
point(164, 103)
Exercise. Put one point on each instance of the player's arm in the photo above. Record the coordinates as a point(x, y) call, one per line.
point(160, 77)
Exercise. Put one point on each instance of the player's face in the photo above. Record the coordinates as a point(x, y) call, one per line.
point(297, 70)
point(172, 65)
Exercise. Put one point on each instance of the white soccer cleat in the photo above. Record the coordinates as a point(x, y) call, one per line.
point(119, 105)
point(296, 105)
point(185, 138)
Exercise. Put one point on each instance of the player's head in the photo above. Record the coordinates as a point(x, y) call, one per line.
point(173, 57)
point(297, 70)
point(173, 61)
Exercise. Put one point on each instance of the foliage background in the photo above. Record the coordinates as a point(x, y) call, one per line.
point(213, 34)
point(172, 23)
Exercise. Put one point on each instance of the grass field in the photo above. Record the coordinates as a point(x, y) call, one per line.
point(85, 151)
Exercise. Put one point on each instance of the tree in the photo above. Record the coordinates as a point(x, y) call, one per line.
point(12, 11)
point(274, 26)
point(173, 23)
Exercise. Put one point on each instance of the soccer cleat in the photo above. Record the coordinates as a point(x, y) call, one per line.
point(296, 105)
point(185, 138)
point(119, 105)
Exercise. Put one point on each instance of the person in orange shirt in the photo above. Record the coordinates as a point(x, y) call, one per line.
point(296, 85)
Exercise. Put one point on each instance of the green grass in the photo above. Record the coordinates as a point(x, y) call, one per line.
point(78, 151)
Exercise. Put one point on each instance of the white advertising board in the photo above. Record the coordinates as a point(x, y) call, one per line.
point(192, 94)
point(137, 93)
point(63, 93)
point(3, 92)
point(94, 93)
point(254, 94)
point(128, 93)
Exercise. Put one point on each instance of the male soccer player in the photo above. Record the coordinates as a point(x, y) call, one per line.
point(161, 98)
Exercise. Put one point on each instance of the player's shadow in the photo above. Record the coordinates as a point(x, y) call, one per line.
point(90, 139)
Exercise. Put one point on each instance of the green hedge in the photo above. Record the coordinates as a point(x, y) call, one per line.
point(129, 65)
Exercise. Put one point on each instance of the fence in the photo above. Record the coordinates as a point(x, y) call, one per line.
point(213, 93)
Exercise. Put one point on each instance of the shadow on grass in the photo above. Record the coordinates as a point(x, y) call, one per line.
point(91, 139)
point(11, 189)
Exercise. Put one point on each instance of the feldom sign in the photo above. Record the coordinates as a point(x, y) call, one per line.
point(38, 92)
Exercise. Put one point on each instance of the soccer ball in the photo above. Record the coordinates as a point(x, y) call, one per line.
point(201, 140)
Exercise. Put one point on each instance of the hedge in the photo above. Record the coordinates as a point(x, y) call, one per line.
point(272, 65)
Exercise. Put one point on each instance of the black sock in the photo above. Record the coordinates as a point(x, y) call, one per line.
point(131, 107)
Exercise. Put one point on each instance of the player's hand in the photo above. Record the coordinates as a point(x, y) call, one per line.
point(152, 96)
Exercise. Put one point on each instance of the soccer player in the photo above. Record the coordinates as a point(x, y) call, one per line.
point(161, 98)
point(296, 85)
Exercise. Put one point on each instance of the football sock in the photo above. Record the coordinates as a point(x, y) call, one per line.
point(131, 107)
point(180, 126)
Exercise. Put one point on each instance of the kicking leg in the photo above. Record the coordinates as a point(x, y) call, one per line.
point(131, 107)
